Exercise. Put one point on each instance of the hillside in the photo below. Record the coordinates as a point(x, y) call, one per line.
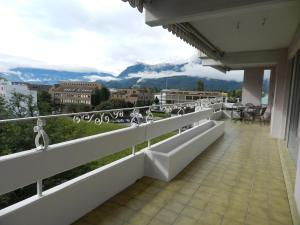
point(139, 75)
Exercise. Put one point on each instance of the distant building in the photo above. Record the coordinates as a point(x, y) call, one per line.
point(132, 95)
point(74, 92)
point(35, 87)
point(170, 96)
point(7, 88)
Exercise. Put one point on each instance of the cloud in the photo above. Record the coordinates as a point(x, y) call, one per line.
point(193, 68)
point(94, 78)
point(98, 34)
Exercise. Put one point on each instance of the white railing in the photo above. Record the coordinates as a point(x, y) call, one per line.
point(32, 166)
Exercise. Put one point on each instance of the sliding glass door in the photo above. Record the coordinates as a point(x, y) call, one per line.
point(293, 134)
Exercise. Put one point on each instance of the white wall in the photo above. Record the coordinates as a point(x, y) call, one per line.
point(252, 86)
point(67, 202)
point(7, 89)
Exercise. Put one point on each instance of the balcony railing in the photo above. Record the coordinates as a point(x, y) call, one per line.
point(80, 195)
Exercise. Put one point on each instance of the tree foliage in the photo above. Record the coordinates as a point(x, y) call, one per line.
point(100, 95)
point(200, 85)
point(156, 101)
point(44, 102)
point(114, 104)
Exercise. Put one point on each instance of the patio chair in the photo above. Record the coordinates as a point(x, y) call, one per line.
point(259, 114)
point(237, 112)
point(249, 112)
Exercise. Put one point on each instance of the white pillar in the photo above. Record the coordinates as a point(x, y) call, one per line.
point(252, 86)
point(271, 89)
point(281, 95)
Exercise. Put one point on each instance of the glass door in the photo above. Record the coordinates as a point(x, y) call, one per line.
point(293, 135)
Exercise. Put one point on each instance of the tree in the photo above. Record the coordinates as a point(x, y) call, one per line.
point(156, 101)
point(17, 105)
point(104, 94)
point(200, 85)
point(114, 104)
point(96, 97)
point(3, 111)
point(100, 95)
point(44, 103)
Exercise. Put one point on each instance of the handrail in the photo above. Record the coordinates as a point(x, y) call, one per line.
point(162, 106)
point(35, 165)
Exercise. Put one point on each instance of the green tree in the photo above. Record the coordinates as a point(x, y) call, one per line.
point(44, 103)
point(156, 101)
point(96, 97)
point(3, 111)
point(17, 105)
point(100, 95)
point(114, 104)
point(200, 85)
point(104, 94)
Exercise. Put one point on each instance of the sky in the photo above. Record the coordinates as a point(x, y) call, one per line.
point(88, 35)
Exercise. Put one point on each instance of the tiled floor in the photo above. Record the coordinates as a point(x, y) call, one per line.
point(237, 180)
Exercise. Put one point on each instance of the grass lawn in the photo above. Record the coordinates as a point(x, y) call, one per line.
point(160, 114)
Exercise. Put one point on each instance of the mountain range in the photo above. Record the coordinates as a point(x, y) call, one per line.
point(162, 76)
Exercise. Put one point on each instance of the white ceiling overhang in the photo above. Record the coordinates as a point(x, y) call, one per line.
point(232, 34)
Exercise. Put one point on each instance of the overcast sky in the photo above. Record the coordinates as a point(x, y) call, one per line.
point(104, 35)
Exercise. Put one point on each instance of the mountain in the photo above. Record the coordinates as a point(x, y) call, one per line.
point(158, 76)
point(176, 82)
point(141, 67)
point(49, 76)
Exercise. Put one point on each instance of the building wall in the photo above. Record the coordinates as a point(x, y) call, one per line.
point(132, 95)
point(7, 89)
point(178, 96)
point(74, 92)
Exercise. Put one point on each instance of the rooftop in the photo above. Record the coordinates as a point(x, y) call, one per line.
point(237, 180)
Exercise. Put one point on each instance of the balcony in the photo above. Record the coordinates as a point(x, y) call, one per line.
point(237, 180)
point(198, 176)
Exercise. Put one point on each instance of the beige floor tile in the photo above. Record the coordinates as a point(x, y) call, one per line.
point(237, 180)
point(174, 206)
point(192, 212)
point(140, 219)
point(166, 216)
point(183, 220)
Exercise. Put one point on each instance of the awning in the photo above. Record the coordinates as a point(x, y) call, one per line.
point(190, 35)
point(139, 4)
point(186, 32)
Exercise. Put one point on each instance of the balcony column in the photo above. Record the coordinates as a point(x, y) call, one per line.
point(252, 86)
point(271, 89)
point(281, 95)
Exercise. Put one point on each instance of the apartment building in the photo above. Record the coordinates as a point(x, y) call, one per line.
point(132, 95)
point(74, 92)
point(169, 96)
point(7, 88)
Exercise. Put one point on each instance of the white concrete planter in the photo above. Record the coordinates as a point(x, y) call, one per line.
point(166, 159)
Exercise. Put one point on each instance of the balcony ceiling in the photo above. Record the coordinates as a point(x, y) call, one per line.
point(263, 29)
point(231, 27)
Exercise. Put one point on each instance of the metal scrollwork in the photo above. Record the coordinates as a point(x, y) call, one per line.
point(181, 111)
point(41, 134)
point(149, 117)
point(136, 118)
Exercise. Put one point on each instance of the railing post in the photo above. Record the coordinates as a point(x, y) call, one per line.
point(133, 150)
point(149, 144)
point(39, 187)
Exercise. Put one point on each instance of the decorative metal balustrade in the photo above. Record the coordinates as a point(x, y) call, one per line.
point(131, 116)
